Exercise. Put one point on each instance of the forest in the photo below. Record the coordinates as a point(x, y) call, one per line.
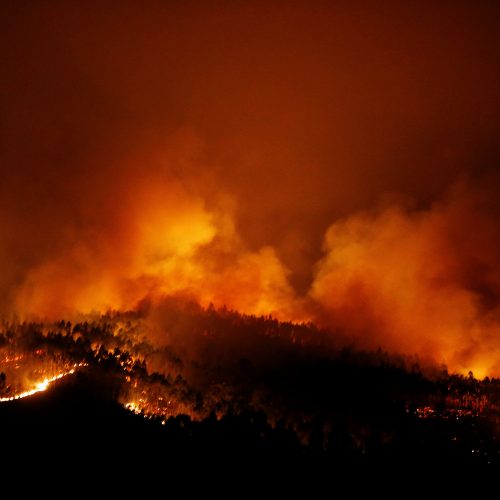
point(204, 381)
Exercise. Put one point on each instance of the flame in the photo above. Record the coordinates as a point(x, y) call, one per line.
point(42, 385)
point(133, 407)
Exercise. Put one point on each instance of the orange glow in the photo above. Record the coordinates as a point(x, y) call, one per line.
point(167, 243)
point(400, 276)
point(316, 162)
point(392, 278)
point(40, 386)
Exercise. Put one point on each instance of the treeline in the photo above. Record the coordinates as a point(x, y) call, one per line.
point(181, 359)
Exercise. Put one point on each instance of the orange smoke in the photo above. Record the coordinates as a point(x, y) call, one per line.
point(412, 281)
point(181, 149)
point(425, 282)
point(157, 239)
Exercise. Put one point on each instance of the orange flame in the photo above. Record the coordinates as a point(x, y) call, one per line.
point(42, 385)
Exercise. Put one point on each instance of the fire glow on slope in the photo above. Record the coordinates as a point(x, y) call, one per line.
point(41, 386)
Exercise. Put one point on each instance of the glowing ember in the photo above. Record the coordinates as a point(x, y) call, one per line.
point(133, 407)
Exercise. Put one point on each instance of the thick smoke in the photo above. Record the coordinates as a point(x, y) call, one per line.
point(205, 152)
point(425, 281)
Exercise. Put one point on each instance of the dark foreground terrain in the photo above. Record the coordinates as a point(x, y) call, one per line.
point(219, 391)
point(77, 421)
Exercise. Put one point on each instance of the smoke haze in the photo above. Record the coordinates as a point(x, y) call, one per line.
point(324, 162)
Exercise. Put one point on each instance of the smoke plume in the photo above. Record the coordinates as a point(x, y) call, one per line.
point(324, 162)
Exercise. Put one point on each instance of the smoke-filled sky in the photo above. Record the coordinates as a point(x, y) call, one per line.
point(324, 161)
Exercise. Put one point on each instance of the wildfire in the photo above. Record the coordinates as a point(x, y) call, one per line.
point(150, 407)
point(42, 385)
point(12, 359)
point(133, 407)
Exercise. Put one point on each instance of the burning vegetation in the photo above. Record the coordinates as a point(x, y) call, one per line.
point(272, 221)
point(178, 360)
